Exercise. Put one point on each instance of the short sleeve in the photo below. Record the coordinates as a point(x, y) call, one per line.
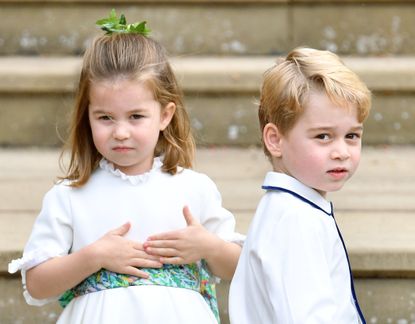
point(215, 217)
point(51, 236)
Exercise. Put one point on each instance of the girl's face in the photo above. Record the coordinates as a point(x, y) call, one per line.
point(322, 150)
point(126, 121)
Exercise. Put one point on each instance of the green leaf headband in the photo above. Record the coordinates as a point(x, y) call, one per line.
point(113, 24)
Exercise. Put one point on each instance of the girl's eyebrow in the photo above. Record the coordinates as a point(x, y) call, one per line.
point(99, 111)
point(132, 111)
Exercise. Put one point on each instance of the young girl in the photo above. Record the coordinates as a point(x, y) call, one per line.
point(127, 181)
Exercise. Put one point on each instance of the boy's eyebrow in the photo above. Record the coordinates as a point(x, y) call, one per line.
point(327, 128)
point(357, 128)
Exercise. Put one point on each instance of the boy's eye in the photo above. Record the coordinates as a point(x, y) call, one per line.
point(353, 136)
point(323, 136)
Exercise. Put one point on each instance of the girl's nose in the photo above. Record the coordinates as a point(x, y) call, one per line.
point(121, 132)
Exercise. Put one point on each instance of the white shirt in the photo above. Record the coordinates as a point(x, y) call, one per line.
point(293, 267)
point(72, 218)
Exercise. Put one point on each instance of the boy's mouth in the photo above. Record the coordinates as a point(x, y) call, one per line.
point(338, 172)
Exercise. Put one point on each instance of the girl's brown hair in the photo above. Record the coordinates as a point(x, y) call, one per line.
point(138, 58)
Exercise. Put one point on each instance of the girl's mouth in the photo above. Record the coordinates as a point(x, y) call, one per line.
point(122, 149)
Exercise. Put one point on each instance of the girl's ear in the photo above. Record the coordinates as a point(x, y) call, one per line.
point(166, 115)
point(272, 139)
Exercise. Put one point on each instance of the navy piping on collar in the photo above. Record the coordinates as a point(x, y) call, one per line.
point(301, 198)
point(359, 311)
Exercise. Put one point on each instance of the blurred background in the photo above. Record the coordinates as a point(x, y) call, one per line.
point(219, 51)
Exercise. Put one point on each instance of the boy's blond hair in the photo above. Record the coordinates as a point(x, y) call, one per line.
point(287, 85)
point(137, 58)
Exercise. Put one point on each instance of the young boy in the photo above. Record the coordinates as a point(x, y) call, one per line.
point(294, 266)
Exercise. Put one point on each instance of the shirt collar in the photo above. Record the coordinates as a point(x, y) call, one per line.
point(283, 182)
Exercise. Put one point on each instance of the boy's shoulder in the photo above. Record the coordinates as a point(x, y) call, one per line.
point(289, 201)
point(282, 217)
point(284, 205)
point(295, 193)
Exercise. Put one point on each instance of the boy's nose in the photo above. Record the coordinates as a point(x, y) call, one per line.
point(340, 151)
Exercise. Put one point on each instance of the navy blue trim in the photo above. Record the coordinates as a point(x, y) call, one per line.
point(356, 303)
point(300, 197)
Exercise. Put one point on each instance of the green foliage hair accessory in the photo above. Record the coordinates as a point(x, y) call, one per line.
point(113, 24)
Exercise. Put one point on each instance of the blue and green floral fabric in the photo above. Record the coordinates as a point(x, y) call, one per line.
point(189, 276)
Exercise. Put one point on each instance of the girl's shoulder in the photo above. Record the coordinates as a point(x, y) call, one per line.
point(58, 196)
point(195, 177)
point(60, 188)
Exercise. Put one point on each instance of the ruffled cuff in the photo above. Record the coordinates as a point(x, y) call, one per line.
point(28, 261)
point(33, 301)
point(31, 259)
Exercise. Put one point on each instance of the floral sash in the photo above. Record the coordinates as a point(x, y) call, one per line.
point(190, 276)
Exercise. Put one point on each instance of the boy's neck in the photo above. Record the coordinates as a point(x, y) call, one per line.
point(277, 169)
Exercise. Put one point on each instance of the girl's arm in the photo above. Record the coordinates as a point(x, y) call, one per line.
point(112, 252)
point(192, 244)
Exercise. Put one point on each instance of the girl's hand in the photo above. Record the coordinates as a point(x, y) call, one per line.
point(183, 246)
point(118, 254)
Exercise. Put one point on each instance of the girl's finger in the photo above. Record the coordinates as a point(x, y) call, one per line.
point(122, 230)
point(145, 263)
point(136, 272)
point(172, 260)
point(144, 255)
point(173, 235)
point(163, 252)
point(160, 244)
point(188, 216)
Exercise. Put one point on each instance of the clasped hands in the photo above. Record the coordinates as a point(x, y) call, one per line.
point(183, 246)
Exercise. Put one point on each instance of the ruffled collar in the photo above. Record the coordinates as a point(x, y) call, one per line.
point(133, 179)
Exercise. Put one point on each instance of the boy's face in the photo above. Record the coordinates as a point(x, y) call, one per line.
point(322, 150)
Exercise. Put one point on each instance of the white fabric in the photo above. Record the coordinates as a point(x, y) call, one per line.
point(73, 218)
point(293, 267)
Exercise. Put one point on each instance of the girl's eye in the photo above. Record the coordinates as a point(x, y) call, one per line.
point(136, 116)
point(104, 117)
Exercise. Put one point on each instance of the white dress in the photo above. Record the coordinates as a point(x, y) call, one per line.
point(293, 267)
point(73, 218)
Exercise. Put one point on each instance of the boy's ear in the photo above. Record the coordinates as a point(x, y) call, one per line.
point(272, 139)
point(166, 115)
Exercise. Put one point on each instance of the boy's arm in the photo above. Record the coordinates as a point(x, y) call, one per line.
point(112, 252)
point(192, 244)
